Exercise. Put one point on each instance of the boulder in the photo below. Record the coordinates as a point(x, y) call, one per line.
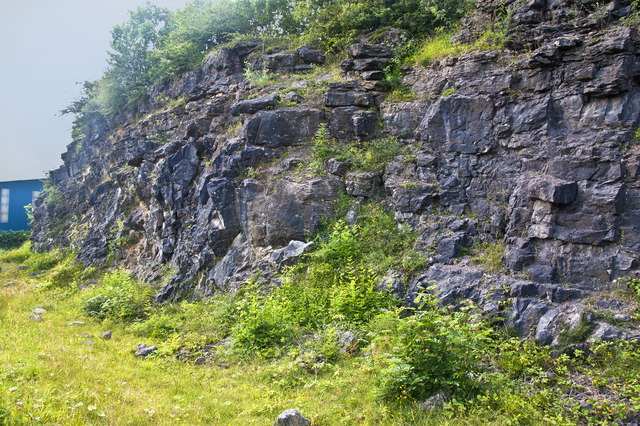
point(251, 106)
point(143, 350)
point(291, 417)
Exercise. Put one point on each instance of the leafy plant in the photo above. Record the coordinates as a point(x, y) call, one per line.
point(13, 239)
point(491, 256)
point(261, 78)
point(432, 351)
point(120, 297)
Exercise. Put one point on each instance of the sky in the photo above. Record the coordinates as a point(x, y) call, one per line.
point(46, 48)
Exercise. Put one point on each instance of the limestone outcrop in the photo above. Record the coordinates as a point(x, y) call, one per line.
point(532, 149)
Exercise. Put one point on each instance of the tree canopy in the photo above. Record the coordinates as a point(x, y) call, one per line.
point(155, 44)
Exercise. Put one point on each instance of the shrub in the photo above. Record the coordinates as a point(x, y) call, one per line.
point(432, 351)
point(120, 297)
point(13, 239)
point(262, 328)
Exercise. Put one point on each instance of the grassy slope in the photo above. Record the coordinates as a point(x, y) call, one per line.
point(48, 375)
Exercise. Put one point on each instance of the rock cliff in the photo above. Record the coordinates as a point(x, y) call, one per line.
point(531, 149)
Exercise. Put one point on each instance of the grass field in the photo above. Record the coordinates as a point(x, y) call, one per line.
point(52, 372)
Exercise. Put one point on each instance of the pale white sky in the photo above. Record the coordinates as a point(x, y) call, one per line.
point(46, 46)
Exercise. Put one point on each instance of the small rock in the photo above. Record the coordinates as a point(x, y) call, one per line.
point(143, 350)
point(106, 335)
point(223, 364)
point(622, 317)
point(75, 323)
point(9, 284)
point(435, 402)
point(88, 343)
point(199, 361)
point(347, 341)
point(36, 318)
point(291, 417)
point(38, 311)
point(86, 336)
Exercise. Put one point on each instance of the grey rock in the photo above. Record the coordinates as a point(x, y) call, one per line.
point(293, 97)
point(364, 50)
point(143, 350)
point(311, 54)
point(38, 311)
point(548, 327)
point(87, 343)
point(338, 168)
point(363, 184)
point(347, 341)
point(434, 403)
point(553, 190)
point(106, 335)
point(347, 94)
point(285, 127)
point(291, 417)
point(73, 323)
point(605, 332)
point(392, 282)
point(36, 318)
point(290, 254)
point(8, 284)
point(251, 106)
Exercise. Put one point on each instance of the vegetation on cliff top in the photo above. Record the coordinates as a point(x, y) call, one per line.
point(155, 44)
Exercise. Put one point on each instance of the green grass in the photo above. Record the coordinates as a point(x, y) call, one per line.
point(440, 47)
point(49, 374)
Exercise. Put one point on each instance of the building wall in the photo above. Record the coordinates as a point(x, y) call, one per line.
point(21, 193)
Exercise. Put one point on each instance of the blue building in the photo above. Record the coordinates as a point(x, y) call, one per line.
point(14, 196)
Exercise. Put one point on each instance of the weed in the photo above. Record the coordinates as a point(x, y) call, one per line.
point(261, 78)
point(491, 256)
point(450, 91)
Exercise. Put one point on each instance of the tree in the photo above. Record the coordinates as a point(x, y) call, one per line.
point(132, 64)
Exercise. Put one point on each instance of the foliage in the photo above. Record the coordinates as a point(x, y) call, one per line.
point(633, 285)
point(154, 45)
point(48, 376)
point(68, 273)
point(44, 261)
point(13, 239)
point(261, 78)
point(335, 24)
point(400, 94)
point(210, 319)
point(120, 297)
point(370, 155)
point(51, 194)
point(432, 351)
point(634, 17)
point(491, 256)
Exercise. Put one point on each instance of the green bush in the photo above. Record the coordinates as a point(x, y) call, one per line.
point(263, 327)
point(432, 351)
point(13, 239)
point(119, 297)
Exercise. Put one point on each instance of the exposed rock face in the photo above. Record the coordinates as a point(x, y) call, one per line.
point(532, 147)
